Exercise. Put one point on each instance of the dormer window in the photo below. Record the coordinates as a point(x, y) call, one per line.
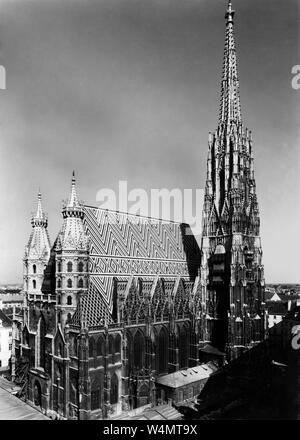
point(70, 266)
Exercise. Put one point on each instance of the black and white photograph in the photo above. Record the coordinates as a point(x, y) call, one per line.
point(150, 212)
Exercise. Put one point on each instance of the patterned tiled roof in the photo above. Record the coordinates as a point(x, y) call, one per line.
point(122, 245)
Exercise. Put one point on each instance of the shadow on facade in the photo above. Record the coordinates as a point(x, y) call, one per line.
point(191, 249)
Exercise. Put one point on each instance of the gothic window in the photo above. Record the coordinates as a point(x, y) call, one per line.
point(80, 266)
point(91, 347)
point(73, 391)
point(114, 391)
point(59, 283)
point(69, 266)
point(60, 350)
point(41, 342)
point(95, 399)
point(118, 344)
point(80, 283)
point(110, 345)
point(100, 346)
point(163, 351)
point(34, 268)
point(69, 300)
point(139, 350)
point(34, 284)
point(183, 348)
point(59, 299)
point(59, 266)
point(69, 283)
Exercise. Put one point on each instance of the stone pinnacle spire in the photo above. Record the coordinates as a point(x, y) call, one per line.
point(230, 108)
point(73, 199)
point(39, 218)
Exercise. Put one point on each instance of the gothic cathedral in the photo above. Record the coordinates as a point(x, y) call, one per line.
point(120, 303)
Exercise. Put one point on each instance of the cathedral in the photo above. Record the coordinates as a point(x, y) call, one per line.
point(119, 301)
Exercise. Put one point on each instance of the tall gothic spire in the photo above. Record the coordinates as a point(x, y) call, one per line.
point(230, 108)
point(39, 243)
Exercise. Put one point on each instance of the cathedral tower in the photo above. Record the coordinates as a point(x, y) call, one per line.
point(72, 250)
point(231, 253)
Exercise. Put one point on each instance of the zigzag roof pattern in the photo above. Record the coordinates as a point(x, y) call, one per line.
point(124, 245)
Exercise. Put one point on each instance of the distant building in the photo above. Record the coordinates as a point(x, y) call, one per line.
point(5, 341)
point(8, 300)
point(278, 305)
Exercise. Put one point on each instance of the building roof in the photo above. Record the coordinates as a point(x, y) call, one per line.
point(161, 412)
point(186, 377)
point(124, 245)
point(5, 320)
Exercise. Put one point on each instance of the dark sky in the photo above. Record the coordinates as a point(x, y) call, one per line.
point(128, 90)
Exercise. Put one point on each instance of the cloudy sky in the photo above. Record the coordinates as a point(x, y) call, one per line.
point(128, 90)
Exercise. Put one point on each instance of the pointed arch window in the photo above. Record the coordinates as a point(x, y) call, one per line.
point(118, 344)
point(184, 346)
point(34, 284)
point(91, 347)
point(80, 283)
point(114, 389)
point(80, 266)
point(163, 351)
point(100, 346)
point(139, 350)
point(34, 268)
point(69, 300)
point(69, 283)
point(70, 266)
point(59, 266)
point(110, 344)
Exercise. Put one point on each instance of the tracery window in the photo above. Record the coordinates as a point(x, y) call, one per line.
point(100, 346)
point(69, 283)
point(80, 283)
point(163, 351)
point(118, 344)
point(114, 389)
point(95, 399)
point(59, 266)
point(91, 347)
point(139, 350)
point(80, 266)
point(70, 266)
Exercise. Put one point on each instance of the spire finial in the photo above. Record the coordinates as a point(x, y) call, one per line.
point(39, 218)
point(72, 205)
point(229, 13)
point(230, 109)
